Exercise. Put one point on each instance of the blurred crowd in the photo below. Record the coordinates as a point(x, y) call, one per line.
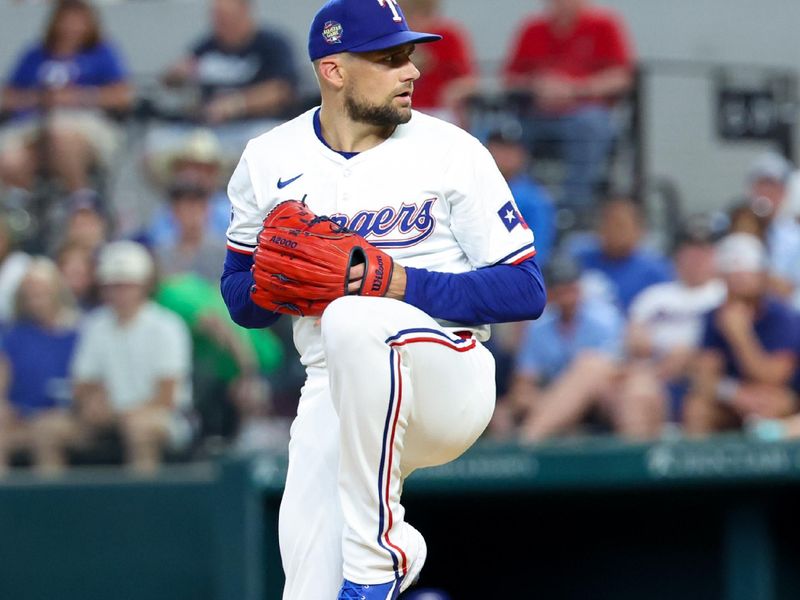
point(699, 340)
point(115, 345)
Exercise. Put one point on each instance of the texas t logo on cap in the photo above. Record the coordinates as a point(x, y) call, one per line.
point(392, 4)
point(361, 26)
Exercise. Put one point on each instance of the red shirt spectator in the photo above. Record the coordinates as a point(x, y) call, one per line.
point(448, 66)
point(575, 54)
point(441, 63)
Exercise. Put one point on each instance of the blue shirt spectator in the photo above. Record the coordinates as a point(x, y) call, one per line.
point(549, 347)
point(567, 362)
point(164, 228)
point(617, 257)
point(749, 356)
point(775, 327)
point(197, 165)
point(36, 356)
point(38, 68)
point(38, 360)
point(75, 76)
point(627, 275)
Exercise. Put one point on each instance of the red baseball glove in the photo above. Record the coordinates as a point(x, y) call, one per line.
point(303, 262)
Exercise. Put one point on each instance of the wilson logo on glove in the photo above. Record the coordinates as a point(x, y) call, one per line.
point(380, 271)
point(303, 262)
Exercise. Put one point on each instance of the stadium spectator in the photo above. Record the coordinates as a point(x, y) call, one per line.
point(449, 74)
point(575, 60)
point(37, 349)
point(767, 182)
point(245, 76)
point(745, 216)
point(567, 362)
point(76, 264)
point(194, 250)
point(200, 160)
point(532, 199)
point(616, 261)
point(664, 333)
point(13, 264)
point(230, 364)
point(87, 223)
point(59, 97)
point(749, 347)
point(132, 365)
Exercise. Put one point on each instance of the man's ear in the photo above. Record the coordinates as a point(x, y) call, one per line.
point(330, 71)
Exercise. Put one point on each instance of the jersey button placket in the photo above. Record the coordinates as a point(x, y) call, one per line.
point(344, 196)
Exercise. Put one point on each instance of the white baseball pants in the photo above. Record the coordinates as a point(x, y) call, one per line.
point(398, 392)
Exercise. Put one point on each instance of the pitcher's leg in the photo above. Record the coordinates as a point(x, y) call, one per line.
point(375, 383)
point(310, 524)
point(373, 408)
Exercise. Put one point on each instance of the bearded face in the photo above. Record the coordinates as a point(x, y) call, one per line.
point(384, 113)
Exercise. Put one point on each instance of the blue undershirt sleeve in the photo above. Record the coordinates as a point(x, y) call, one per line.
point(496, 294)
point(235, 287)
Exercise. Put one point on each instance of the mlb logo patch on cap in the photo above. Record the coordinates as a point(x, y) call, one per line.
point(332, 32)
point(510, 216)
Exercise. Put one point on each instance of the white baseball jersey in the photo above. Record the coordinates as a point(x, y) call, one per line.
point(431, 196)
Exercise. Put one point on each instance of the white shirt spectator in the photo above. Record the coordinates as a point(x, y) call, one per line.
point(130, 360)
point(673, 312)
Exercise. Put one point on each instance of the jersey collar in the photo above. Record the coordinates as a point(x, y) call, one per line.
point(318, 131)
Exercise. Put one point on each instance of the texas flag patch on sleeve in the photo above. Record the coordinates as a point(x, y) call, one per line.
point(511, 217)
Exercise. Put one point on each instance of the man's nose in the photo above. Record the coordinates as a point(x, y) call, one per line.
point(410, 72)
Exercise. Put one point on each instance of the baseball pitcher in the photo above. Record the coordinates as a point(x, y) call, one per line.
point(391, 240)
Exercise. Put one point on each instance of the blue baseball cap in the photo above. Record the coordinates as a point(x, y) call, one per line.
point(361, 26)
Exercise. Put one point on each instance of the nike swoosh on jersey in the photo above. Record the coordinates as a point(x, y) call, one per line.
point(283, 184)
